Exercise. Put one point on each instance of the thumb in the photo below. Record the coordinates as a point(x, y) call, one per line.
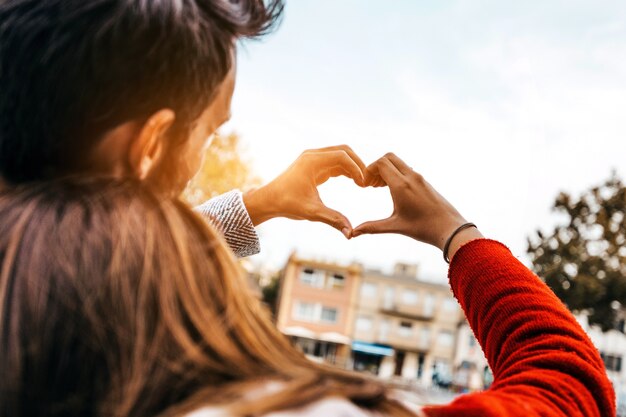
point(374, 227)
point(333, 218)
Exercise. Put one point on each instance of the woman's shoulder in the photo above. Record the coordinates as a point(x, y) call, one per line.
point(331, 407)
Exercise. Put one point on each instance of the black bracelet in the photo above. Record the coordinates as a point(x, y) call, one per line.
point(446, 247)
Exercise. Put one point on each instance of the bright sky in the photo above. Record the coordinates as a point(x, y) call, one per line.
point(499, 104)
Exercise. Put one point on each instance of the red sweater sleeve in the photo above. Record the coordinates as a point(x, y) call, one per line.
point(542, 361)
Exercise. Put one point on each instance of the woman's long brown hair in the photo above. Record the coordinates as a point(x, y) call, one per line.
point(116, 302)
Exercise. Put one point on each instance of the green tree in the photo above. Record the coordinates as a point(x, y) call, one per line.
point(224, 168)
point(270, 294)
point(583, 260)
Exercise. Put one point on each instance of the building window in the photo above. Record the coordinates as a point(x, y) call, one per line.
point(329, 315)
point(314, 312)
point(429, 305)
point(445, 338)
point(390, 296)
point(612, 362)
point(336, 281)
point(304, 311)
point(312, 277)
point(368, 290)
point(405, 329)
point(450, 305)
point(409, 297)
point(363, 324)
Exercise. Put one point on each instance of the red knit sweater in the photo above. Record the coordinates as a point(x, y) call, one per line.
point(542, 361)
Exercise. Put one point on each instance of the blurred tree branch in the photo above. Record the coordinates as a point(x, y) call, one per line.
point(224, 168)
point(583, 260)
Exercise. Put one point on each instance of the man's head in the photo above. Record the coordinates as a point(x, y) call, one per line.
point(129, 87)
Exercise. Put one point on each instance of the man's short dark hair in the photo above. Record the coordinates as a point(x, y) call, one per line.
point(70, 70)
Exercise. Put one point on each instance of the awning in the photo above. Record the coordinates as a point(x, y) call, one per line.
point(299, 332)
point(372, 349)
point(335, 337)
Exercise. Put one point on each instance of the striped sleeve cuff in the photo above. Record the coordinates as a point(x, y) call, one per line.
point(228, 214)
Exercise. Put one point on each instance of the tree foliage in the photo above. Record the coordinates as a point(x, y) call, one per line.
point(583, 260)
point(270, 294)
point(224, 168)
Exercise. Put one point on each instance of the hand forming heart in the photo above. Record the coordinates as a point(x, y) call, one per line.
point(419, 211)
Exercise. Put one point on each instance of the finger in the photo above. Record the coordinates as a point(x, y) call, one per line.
point(336, 163)
point(387, 171)
point(350, 153)
point(357, 160)
point(332, 218)
point(376, 180)
point(399, 163)
point(374, 227)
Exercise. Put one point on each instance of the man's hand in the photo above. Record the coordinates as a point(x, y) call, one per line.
point(294, 193)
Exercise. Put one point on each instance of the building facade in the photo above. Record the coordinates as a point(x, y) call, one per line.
point(399, 327)
point(315, 308)
point(390, 325)
point(405, 328)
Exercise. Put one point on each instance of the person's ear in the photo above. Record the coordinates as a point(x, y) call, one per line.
point(148, 144)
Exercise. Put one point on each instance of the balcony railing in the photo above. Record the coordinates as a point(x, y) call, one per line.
point(396, 311)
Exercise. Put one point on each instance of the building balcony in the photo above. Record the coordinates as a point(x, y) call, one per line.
point(406, 313)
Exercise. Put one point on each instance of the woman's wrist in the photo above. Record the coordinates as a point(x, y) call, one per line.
point(446, 229)
point(461, 238)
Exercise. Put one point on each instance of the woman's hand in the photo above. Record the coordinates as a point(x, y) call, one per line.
point(419, 211)
point(294, 195)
